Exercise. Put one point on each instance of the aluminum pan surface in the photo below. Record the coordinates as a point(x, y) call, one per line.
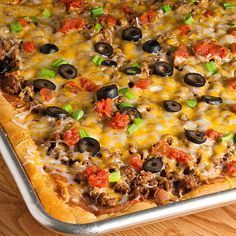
point(118, 223)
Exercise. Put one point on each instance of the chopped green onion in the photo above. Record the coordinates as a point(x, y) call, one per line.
point(78, 114)
point(68, 108)
point(97, 11)
point(31, 18)
point(98, 27)
point(46, 12)
point(130, 95)
point(16, 27)
point(226, 137)
point(56, 63)
point(136, 64)
point(191, 103)
point(47, 74)
point(166, 8)
point(229, 5)
point(138, 121)
point(211, 67)
point(83, 133)
point(114, 177)
point(97, 60)
point(188, 19)
point(123, 90)
point(125, 104)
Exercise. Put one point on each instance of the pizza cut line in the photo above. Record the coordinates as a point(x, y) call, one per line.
point(118, 106)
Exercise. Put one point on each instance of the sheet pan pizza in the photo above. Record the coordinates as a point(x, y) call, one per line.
point(117, 106)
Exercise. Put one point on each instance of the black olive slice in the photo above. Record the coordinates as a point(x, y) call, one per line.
point(151, 46)
point(88, 144)
point(132, 112)
point(195, 136)
point(194, 79)
point(67, 71)
point(163, 69)
point(48, 48)
point(109, 63)
point(4, 67)
point(43, 83)
point(104, 49)
point(132, 70)
point(56, 112)
point(110, 91)
point(132, 34)
point(171, 106)
point(212, 100)
point(153, 165)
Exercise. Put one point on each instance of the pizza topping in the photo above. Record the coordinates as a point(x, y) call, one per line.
point(109, 63)
point(132, 70)
point(104, 107)
point(104, 49)
point(163, 69)
point(119, 121)
point(48, 48)
point(110, 91)
point(153, 165)
point(151, 46)
point(148, 17)
point(47, 94)
point(212, 100)
point(171, 106)
point(132, 112)
point(143, 83)
point(184, 29)
point(194, 79)
point(4, 67)
point(182, 51)
point(67, 71)
point(71, 137)
point(88, 85)
point(132, 34)
point(136, 162)
point(70, 24)
point(29, 47)
point(88, 144)
point(232, 83)
point(195, 136)
point(213, 134)
point(56, 112)
point(108, 19)
point(231, 168)
point(43, 83)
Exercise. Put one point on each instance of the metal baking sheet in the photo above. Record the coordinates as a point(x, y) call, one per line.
point(109, 225)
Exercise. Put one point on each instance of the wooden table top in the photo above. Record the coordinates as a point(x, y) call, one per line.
point(15, 219)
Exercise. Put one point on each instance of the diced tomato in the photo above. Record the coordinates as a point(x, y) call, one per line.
point(182, 51)
point(232, 83)
point(108, 19)
point(184, 29)
point(98, 179)
point(208, 13)
point(104, 107)
point(88, 85)
point(233, 107)
point(73, 23)
point(213, 134)
point(233, 31)
point(136, 162)
point(29, 47)
point(233, 48)
point(72, 86)
point(23, 22)
point(90, 169)
point(147, 17)
point(205, 48)
point(71, 137)
point(179, 155)
point(126, 9)
point(119, 121)
point(143, 83)
point(74, 3)
point(47, 94)
point(231, 168)
point(161, 148)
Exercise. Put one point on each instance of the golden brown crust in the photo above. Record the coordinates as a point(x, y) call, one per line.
point(56, 207)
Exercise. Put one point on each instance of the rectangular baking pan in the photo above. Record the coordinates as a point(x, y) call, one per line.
point(109, 225)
